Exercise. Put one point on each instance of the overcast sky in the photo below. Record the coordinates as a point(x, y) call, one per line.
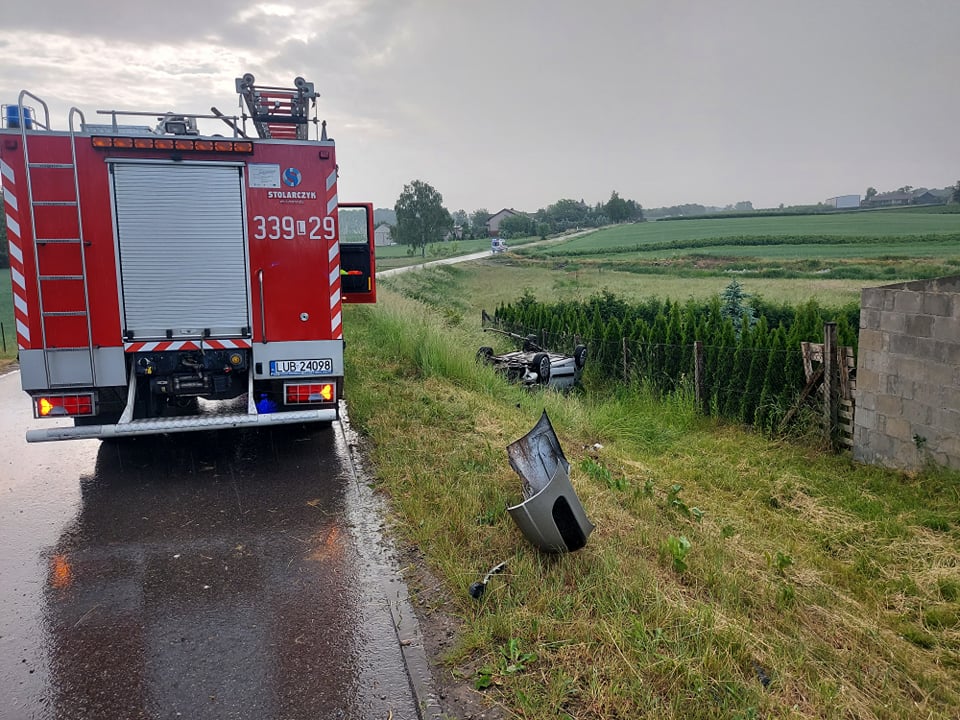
point(516, 103)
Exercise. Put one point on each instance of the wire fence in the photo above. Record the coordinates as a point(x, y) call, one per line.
point(758, 377)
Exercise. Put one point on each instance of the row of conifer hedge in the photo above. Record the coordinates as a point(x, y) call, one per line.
point(753, 369)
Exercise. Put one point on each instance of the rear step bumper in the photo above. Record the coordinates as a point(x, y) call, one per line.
point(158, 426)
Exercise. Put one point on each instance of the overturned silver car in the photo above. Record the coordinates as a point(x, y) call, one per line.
point(533, 365)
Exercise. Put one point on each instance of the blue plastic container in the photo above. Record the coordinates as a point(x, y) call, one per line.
point(13, 117)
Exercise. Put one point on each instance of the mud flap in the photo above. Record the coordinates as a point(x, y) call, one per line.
point(551, 516)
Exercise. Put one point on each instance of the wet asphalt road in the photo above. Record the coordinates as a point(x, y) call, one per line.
point(200, 575)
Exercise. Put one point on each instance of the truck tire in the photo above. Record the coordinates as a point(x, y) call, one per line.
point(541, 366)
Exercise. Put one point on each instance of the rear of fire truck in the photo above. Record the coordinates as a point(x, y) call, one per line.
point(166, 280)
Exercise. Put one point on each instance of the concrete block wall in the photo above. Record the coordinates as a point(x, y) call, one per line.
point(908, 375)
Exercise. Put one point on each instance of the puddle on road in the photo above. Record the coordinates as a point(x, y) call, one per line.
point(241, 573)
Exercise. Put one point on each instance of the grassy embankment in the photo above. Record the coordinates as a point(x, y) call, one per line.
point(804, 586)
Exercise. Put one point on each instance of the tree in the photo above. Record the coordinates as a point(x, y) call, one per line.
point(478, 222)
point(421, 217)
point(733, 305)
point(871, 191)
point(956, 193)
point(744, 206)
point(634, 211)
point(565, 214)
point(461, 220)
point(517, 226)
point(616, 208)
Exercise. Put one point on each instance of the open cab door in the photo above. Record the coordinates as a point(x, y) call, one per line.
point(357, 258)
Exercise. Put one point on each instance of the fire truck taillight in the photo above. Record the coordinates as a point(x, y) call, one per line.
point(179, 144)
point(63, 405)
point(309, 393)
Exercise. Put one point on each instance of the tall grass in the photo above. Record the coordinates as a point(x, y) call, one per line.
point(6, 316)
point(811, 587)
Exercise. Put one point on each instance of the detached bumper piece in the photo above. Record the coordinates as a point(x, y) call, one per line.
point(551, 516)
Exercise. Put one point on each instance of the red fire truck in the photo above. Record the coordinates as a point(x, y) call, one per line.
point(166, 280)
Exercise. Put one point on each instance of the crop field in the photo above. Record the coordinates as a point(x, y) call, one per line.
point(874, 225)
point(793, 258)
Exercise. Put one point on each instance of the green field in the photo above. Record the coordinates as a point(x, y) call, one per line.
point(878, 225)
point(857, 249)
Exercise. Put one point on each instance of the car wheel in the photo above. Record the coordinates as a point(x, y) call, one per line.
point(485, 353)
point(580, 356)
point(541, 366)
point(530, 343)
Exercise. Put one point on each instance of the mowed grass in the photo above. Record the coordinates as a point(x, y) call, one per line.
point(810, 587)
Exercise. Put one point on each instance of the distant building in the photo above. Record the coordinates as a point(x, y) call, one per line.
point(926, 198)
point(843, 201)
point(382, 235)
point(889, 199)
point(493, 222)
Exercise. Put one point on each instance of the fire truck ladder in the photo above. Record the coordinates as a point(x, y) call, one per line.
point(59, 272)
point(278, 113)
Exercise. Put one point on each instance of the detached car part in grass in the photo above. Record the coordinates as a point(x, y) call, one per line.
point(551, 515)
point(533, 365)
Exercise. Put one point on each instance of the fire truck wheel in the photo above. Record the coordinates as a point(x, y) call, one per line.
point(541, 365)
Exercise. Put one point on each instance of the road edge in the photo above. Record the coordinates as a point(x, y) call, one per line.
point(404, 618)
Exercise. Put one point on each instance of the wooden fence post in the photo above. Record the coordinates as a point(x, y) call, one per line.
point(698, 376)
point(830, 381)
point(623, 343)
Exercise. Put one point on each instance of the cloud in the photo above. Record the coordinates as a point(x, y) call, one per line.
point(505, 103)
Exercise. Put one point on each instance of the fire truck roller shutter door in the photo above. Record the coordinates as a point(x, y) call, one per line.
point(183, 261)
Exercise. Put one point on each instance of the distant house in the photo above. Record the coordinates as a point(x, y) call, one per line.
point(493, 222)
point(889, 199)
point(382, 235)
point(920, 196)
point(926, 198)
point(843, 201)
